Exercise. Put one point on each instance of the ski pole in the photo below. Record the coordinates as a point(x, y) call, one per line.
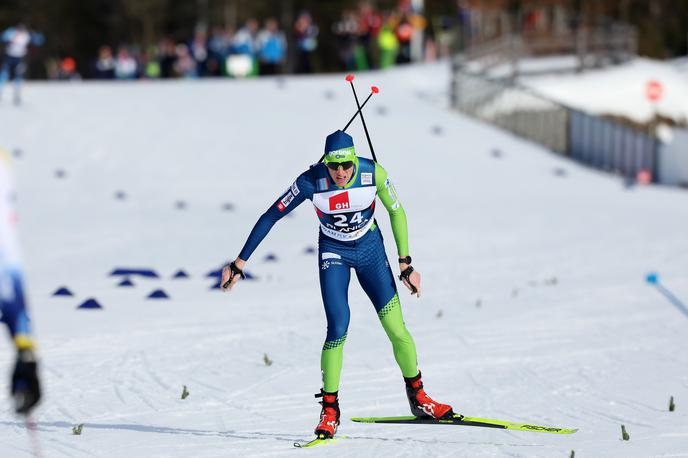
point(653, 279)
point(373, 90)
point(350, 79)
point(33, 435)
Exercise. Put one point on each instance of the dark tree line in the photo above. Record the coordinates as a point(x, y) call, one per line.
point(77, 28)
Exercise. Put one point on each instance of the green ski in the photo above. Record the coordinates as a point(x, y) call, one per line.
point(460, 420)
point(320, 440)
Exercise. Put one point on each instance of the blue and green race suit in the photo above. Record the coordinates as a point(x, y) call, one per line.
point(349, 239)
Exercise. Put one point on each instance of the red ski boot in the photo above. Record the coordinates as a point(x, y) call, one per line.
point(421, 404)
point(329, 415)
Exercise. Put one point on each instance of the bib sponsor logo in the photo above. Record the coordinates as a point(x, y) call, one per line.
point(284, 203)
point(339, 234)
point(342, 153)
point(366, 178)
point(295, 189)
point(541, 428)
point(340, 201)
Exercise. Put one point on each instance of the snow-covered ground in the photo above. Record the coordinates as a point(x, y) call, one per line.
point(539, 278)
point(621, 90)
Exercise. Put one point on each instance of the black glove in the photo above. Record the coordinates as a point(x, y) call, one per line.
point(26, 390)
point(234, 270)
point(406, 275)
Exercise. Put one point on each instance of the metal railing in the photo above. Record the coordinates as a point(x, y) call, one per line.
point(593, 140)
point(593, 47)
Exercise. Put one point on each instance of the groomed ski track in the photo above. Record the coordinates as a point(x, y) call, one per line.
point(534, 306)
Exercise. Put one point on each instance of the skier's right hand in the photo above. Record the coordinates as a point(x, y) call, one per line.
point(229, 278)
point(26, 389)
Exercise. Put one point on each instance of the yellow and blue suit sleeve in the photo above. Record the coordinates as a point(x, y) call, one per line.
point(12, 305)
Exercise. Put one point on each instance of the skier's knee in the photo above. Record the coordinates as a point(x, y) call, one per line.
point(336, 331)
point(398, 334)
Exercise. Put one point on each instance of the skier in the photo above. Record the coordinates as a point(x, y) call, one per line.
point(16, 40)
point(343, 191)
point(25, 387)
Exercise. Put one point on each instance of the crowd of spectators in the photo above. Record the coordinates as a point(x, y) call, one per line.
point(368, 38)
point(365, 39)
point(362, 38)
point(220, 52)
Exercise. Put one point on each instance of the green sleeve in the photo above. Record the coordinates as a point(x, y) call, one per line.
point(397, 215)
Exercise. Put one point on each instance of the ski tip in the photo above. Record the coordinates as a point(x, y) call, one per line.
point(319, 440)
point(349, 77)
point(375, 89)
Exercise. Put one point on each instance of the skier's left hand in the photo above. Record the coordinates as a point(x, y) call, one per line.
point(414, 278)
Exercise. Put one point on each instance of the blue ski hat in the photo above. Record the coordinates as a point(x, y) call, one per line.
point(339, 147)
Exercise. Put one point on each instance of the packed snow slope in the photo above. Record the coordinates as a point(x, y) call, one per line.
point(621, 90)
point(534, 303)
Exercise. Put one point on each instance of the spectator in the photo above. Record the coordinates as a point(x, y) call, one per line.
point(389, 46)
point(104, 67)
point(198, 48)
point(272, 48)
point(68, 70)
point(244, 41)
point(346, 31)
point(17, 40)
point(242, 61)
point(404, 32)
point(167, 57)
point(125, 65)
point(149, 64)
point(218, 49)
point(370, 23)
point(185, 65)
point(306, 35)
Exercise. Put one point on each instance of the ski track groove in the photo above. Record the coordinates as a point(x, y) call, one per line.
point(549, 353)
point(151, 374)
point(118, 393)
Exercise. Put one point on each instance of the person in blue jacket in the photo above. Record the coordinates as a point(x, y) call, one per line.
point(16, 41)
point(25, 387)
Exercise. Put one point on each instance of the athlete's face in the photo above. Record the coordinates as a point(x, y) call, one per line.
point(341, 176)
